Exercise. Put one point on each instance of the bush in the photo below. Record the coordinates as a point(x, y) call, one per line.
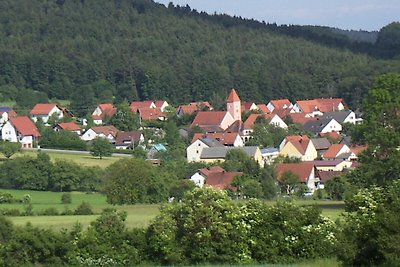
point(7, 198)
point(10, 212)
point(66, 198)
point(49, 212)
point(84, 209)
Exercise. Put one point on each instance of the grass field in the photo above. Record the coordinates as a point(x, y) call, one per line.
point(85, 160)
point(139, 215)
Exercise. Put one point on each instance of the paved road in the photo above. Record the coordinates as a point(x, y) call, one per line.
point(73, 152)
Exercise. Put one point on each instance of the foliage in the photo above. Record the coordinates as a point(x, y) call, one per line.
point(380, 164)
point(66, 198)
point(41, 174)
point(48, 60)
point(84, 209)
point(9, 148)
point(337, 188)
point(370, 231)
point(125, 119)
point(266, 135)
point(101, 147)
point(289, 183)
point(133, 180)
point(61, 140)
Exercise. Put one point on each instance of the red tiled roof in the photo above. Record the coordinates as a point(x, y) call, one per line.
point(281, 103)
point(235, 127)
point(151, 114)
point(209, 118)
point(69, 126)
point(42, 109)
point(300, 118)
point(333, 135)
point(333, 151)
point(302, 170)
point(222, 180)
point(207, 171)
point(263, 108)
point(321, 104)
point(107, 111)
point(299, 142)
point(226, 139)
point(249, 123)
point(233, 96)
point(246, 106)
point(25, 126)
point(135, 105)
point(159, 103)
point(106, 130)
point(194, 106)
point(357, 149)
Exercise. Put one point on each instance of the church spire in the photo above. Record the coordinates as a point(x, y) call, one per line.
point(234, 106)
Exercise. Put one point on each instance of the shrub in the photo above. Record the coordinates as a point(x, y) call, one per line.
point(49, 212)
point(7, 198)
point(66, 198)
point(10, 212)
point(84, 209)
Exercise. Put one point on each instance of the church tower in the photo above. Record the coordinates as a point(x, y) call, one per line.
point(234, 106)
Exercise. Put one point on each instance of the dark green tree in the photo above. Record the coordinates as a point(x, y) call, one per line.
point(9, 148)
point(101, 147)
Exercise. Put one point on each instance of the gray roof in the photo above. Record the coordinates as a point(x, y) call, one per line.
point(211, 142)
point(220, 152)
point(321, 143)
point(316, 126)
point(321, 163)
point(339, 116)
point(268, 150)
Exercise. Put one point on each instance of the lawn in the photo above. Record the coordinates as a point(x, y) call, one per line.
point(139, 215)
point(83, 159)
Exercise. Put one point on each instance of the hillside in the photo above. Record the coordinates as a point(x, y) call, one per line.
point(99, 50)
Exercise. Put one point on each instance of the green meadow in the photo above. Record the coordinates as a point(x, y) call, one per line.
point(82, 159)
point(139, 215)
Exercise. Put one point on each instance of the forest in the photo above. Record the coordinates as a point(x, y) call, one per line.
point(91, 51)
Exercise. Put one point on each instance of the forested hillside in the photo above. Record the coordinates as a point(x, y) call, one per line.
point(100, 50)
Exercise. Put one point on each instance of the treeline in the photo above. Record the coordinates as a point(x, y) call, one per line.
point(108, 51)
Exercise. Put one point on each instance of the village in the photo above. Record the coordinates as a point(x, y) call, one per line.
point(316, 156)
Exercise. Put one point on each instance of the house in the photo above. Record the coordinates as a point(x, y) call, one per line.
point(279, 104)
point(155, 150)
point(107, 131)
point(342, 116)
point(201, 175)
point(263, 108)
point(269, 154)
point(192, 108)
point(212, 121)
point(304, 170)
point(214, 176)
point(321, 145)
point(321, 126)
point(218, 154)
point(300, 118)
point(136, 105)
point(68, 126)
point(103, 112)
point(316, 107)
point(125, 140)
point(325, 176)
point(332, 165)
point(299, 147)
point(45, 112)
point(218, 121)
point(193, 152)
point(335, 151)
point(249, 106)
point(20, 129)
point(248, 125)
point(151, 114)
point(161, 104)
point(6, 113)
point(225, 138)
